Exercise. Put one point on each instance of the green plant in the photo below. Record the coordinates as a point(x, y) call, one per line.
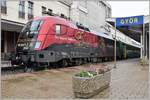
point(86, 74)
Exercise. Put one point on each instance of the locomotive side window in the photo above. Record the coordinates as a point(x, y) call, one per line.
point(58, 29)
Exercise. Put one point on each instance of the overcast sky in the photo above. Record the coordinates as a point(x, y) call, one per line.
point(129, 8)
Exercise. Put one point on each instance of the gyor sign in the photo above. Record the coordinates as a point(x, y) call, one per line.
point(128, 21)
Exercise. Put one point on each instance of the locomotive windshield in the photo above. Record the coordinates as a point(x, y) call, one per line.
point(32, 27)
point(29, 34)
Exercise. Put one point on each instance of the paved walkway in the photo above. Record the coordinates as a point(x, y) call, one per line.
point(128, 81)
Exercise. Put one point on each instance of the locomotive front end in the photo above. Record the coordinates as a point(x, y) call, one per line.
point(27, 43)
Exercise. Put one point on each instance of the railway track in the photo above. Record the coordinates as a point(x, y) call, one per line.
point(16, 70)
point(20, 69)
point(12, 70)
point(7, 68)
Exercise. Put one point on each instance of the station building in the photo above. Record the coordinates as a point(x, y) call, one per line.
point(92, 14)
point(15, 14)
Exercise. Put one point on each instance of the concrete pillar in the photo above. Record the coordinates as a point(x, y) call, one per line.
point(144, 60)
point(14, 39)
point(146, 44)
point(5, 42)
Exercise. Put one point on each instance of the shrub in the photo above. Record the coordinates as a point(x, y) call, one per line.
point(86, 74)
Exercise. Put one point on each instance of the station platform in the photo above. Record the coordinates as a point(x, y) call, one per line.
point(128, 81)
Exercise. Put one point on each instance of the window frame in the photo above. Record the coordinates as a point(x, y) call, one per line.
point(4, 2)
point(4, 7)
point(30, 8)
point(43, 9)
point(21, 9)
point(62, 26)
point(59, 29)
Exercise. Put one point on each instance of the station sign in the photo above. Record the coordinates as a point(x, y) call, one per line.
point(129, 21)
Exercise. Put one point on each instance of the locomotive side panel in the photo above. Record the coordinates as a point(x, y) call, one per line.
point(60, 40)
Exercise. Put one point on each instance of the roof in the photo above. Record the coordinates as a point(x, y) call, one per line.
point(102, 34)
point(57, 19)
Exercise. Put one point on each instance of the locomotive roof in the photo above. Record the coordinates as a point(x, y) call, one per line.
point(57, 19)
point(101, 34)
point(71, 24)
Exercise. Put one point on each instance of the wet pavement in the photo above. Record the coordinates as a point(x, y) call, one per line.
point(128, 81)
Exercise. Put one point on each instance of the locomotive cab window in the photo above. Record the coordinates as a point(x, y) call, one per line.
point(58, 29)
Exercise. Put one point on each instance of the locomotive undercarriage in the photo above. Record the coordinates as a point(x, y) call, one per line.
point(63, 55)
point(60, 56)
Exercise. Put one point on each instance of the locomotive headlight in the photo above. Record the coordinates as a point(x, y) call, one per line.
point(37, 44)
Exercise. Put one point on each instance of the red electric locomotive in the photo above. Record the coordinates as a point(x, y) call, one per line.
point(53, 40)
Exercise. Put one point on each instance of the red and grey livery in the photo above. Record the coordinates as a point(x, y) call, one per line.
point(54, 40)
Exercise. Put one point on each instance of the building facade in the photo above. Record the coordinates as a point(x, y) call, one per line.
point(15, 14)
point(90, 13)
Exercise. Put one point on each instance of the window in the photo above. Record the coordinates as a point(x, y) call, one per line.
point(3, 7)
point(58, 29)
point(61, 29)
point(30, 10)
point(50, 11)
point(43, 10)
point(22, 9)
point(35, 26)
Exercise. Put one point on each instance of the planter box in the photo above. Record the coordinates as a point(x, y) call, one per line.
point(85, 87)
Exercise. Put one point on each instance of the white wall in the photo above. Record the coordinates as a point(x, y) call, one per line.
point(12, 12)
point(13, 8)
point(90, 13)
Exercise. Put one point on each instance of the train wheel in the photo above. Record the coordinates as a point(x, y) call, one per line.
point(70, 63)
point(80, 62)
point(85, 61)
point(55, 65)
point(76, 62)
point(109, 59)
point(103, 59)
point(49, 65)
point(64, 63)
point(29, 68)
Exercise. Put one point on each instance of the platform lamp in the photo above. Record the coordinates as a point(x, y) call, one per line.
point(115, 65)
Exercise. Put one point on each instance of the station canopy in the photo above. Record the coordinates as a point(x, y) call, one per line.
point(132, 31)
point(8, 25)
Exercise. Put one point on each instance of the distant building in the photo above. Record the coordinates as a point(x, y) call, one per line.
point(15, 14)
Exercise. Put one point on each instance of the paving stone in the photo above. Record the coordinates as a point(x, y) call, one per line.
point(128, 81)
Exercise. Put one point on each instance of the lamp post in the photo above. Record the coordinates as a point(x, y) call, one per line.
point(115, 66)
